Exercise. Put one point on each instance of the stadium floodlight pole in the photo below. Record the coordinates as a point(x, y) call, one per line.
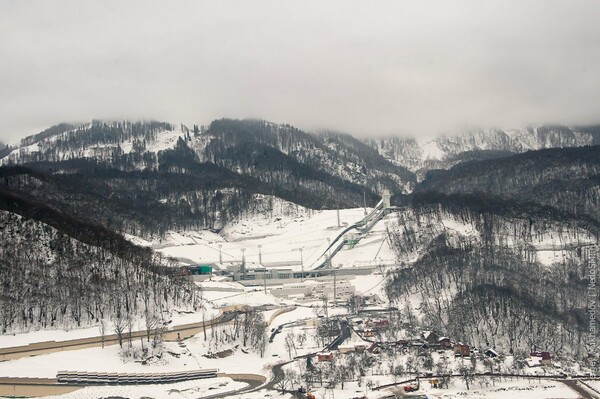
point(244, 263)
point(301, 263)
point(264, 268)
point(334, 289)
point(259, 254)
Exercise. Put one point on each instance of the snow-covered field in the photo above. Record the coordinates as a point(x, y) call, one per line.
point(280, 240)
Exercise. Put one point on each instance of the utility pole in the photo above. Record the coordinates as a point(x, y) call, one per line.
point(243, 263)
point(220, 254)
point(264, 268)
point(329, 251)
point(365, 202)
point(301, 263)
point(338, 216)
point(334, 288)
point(259, 254)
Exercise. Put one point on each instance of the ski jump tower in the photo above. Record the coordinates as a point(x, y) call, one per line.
point(362, 227)
point(385, 199)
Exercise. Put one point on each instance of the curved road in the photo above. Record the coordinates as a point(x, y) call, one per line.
point(253, 385)
point(181, 331)
point(579, 389)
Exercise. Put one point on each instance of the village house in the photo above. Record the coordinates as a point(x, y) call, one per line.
point(543, 358)
point(325, 357)
point(430, 337)
point(360, 348)
point(462, 350)
point(375, 348)
point(491, 353)
point(378, 324)
point(369, 333)
point(445, 343)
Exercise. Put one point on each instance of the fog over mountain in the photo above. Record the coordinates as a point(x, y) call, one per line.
point(389, 68)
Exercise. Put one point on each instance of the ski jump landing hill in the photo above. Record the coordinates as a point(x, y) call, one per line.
point(362, 227)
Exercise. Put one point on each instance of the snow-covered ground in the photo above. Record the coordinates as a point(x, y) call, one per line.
point(284, 241)
point(174, 358)
point(183, 390)
point(175, 318)
point(482, 388)
point(280, 242)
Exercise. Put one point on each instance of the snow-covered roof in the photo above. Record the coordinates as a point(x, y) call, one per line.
point(493, 352)
point(533, 361)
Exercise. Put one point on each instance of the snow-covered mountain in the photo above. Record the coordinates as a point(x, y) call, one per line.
point(144, 178)
point(393, 163)
point(446, 151)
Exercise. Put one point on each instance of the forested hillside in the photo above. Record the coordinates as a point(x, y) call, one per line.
point(502, 277)
point(504, 250)
point(567, 179)
point(145, 178)
point(51, 280)
point(279, 152)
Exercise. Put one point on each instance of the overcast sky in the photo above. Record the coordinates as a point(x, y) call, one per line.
point(370, 67)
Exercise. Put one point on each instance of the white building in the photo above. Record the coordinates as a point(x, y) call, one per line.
point(316, 289)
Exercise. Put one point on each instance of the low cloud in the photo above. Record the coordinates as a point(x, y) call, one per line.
point(368, 68)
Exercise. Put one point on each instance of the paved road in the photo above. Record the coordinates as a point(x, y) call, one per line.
point(579, 389)
point(252, 386)
point(277, 375)
point(16, 352)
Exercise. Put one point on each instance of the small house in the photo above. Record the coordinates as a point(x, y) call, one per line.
point(546, 358)
point(360, 348)
point(543, 357)
point(445, 343)
point(462, 350)
point(369, 333)
point(346, 349)
point(382, 323)
point(430, 337)
point(325, 357)
point(491, 353)
point(375, 348)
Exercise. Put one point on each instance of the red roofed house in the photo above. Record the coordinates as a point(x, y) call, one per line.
point(325, 357)
point(462, 350)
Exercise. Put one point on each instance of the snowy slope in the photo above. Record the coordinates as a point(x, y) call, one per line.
point(78, 143)
point(442, 152)
point(280, 238)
